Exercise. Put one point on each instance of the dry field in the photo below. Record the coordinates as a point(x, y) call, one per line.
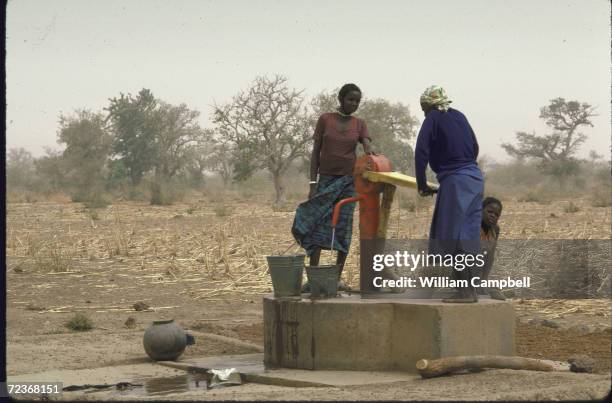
point(215, 248)
point(203, 263)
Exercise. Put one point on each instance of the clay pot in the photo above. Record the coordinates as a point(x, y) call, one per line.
point(164, 340)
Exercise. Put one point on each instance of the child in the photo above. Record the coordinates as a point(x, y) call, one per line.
point(489, 234)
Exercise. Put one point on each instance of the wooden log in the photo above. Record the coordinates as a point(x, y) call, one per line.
point(442, 366)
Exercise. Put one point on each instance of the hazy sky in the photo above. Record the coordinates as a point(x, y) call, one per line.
point(499, 60)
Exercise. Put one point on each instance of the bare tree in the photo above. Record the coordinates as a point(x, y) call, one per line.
point(324, 102)
point(268, 126)
point(220, 159)
point(564, 117)
point(556, 151)
point(214, 152)
point(177, 130)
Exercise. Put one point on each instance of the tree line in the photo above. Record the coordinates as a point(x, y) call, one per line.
point(267, 127)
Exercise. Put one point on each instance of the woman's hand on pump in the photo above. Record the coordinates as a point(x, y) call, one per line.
point(427, 191)
point(367, 147)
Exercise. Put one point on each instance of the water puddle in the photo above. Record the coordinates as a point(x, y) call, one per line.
point(165, 386)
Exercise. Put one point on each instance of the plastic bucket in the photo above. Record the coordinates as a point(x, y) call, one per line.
point(323, 281)
point(286, 272)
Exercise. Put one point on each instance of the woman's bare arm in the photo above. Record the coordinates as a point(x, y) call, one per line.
point(314, 166)
point(367, 146)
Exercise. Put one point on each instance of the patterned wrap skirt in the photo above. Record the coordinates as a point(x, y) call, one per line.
point(312, 223)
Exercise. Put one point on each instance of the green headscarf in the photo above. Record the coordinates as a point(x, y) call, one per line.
point(435, 96)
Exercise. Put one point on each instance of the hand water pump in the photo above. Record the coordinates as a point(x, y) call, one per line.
point(373, 176)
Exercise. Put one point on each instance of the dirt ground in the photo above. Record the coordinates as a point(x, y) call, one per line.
point(203, 264)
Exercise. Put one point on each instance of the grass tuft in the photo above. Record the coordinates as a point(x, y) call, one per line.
point(571, 208)
point(79, 323)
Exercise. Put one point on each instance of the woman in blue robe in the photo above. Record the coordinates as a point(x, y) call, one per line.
point(447, 143)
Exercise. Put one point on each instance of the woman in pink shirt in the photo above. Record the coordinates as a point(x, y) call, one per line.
point(331, 179)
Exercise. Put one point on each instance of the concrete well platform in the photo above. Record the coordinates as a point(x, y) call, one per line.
point(351, 333)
